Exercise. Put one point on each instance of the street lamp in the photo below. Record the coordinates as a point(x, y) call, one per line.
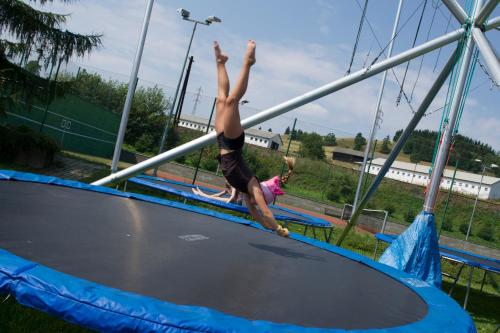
point(492, 166)
point(185, 14)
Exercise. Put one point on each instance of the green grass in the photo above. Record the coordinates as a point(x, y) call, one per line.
point(482, 306)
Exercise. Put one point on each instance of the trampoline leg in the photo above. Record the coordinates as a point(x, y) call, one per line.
point(455, 279)
point(375, 251)
point(330, 234)
point(468, 287)
point(125, 186)
point(482, 282)
point(305, 230)
point(314, 232)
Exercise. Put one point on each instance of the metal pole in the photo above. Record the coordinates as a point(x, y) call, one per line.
point(131, 87)
point(442, 154)
point(206, 131)
point(492, 24)
point(172, 107)
point(377, 110)
point(289, 105)
point(399, 145)
point(456, 10)
point(475, 204)
point(487, 9)
point(180, 104)
point(448, 199)
point(488, 53)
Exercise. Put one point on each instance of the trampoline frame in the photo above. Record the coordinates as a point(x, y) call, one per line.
point(307, 221)
point(104, 308)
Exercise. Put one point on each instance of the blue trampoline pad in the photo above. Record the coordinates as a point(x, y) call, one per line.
point(184, 190)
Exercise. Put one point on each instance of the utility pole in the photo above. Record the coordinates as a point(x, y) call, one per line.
point(197, 100)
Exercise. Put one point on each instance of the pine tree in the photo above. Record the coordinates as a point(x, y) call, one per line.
point(39, 37)
point(40, 33)
point(287, 131)
point(384, 149)
point(359, 141)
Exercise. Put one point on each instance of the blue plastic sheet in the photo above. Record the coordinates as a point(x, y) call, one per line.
point(416, 251)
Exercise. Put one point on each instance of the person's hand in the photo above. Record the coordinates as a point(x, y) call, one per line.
point(283, 232)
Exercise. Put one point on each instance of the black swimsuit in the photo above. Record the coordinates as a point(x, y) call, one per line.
point(232, 164)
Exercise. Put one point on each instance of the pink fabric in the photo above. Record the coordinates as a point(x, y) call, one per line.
point(271, 188)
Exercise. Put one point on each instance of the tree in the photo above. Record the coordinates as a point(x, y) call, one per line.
point(287, 131)
point(269, 129)
point(41, 33)
point(35, 34)
point(312, 146)
point(359, 141)
point(397, 135)
point(330, 139)
point(33, 66)
point(384, 149)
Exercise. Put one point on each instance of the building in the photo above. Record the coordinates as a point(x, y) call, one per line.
point(350, 155)
point(253, 136)
point(465, 182)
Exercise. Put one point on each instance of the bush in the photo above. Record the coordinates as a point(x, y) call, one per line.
point(486, 232)
point(390, 208)
point(448, 225)
point(409, 216)
point(145, 144)
point(22, 145)
point(463, 228)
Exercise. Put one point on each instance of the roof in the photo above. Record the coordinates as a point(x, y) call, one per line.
point(448, 173)
point(251, 131)
point(353, 152)
point(195, 119)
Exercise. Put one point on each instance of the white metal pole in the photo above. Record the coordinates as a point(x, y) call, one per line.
point(377, 111)
point(475, 204)
point(444, 147)
point(131, 87)
point(487, 9)
point(456, 10)
point(288, 105)
point(488, 53)
point(492, 24)
point(172, 106)
point(399, 144)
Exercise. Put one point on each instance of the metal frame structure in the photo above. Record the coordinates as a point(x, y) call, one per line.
point(472, 25)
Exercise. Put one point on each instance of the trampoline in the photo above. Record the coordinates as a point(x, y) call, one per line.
point(183, 190)
point(117, 261)
point(459, 256)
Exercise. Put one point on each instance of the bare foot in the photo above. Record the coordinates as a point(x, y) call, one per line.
point(250, 54)
point(220, 57)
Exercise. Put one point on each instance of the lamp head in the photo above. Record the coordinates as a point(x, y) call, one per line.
point(184, 13)
point(213, 19)
point(477, 160)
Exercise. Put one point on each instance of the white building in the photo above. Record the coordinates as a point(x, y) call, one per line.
point(253, 136)
point(465, 182)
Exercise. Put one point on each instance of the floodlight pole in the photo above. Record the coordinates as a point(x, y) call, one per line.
point(377, 116)
point(449, 131)
point(131, 87)
point(456, 10)
point(289, 105)
point(433, 91)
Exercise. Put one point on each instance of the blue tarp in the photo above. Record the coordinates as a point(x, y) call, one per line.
point(416, 251)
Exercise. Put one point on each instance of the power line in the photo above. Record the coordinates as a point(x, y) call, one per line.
point(360, 28)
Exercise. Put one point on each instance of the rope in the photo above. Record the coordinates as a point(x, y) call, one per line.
point(398, 100)
point(423, 56)
point(360, 27)
point(439, 53)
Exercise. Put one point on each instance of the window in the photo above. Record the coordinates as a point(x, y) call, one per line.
point(397, 172)
point(448, 182)
point(472, 186)
point(459, 184)
point(466, 185)
point(265, 141)
point(392, 171)
point(485, 188)
point(419, 176)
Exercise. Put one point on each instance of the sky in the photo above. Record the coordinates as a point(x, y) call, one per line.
point(301, 45)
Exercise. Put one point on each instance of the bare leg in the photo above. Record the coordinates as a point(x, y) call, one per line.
point(232, 122)
point(222, 88)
